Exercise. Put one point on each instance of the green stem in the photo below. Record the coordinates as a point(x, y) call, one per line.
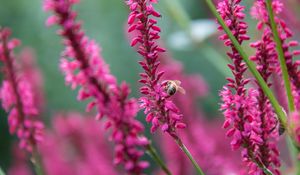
point(294, 151)
point(277, 108)
point(267, 171)
point(284, 70)
point(178, 13)
point(189, 155)
point(281, 57)
point(263, 167)
point(153, 153)
point(37, 164)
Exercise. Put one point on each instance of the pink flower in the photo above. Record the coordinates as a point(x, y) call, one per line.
point(285, 33)
point(233, 15)
point(30, 70)
point(239, 104)
point(212, 154)
point(294, 124)
point(85, 68)
point(266, 60)
point(19, 165)
point(75, 146)
point(158, 107)
point(18, 97)
point(259, 12)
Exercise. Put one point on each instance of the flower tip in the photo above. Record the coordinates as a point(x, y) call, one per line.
point(165, 127)
point(51, 21)
point(143, 141)
point(153, 129)
point(143, 164)
point(180, 125)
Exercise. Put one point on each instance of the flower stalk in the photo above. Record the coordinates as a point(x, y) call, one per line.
point(281, 57)
point(96, 82)
point(277, 108)
point(18, 99)
point(190, 156)
point(153, 153)
point(158, 106)
point(36, 161)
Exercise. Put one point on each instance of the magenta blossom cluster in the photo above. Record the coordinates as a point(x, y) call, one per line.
point(160, 110)
point(266, 60)
point(259, 11)
point(84, 67)
point(17, 96)
point(239, 104)
point(211, 154)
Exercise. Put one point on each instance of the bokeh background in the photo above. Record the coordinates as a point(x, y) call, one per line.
point(104, 21)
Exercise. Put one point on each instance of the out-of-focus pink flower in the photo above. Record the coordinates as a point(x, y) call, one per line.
point(18, 97)
point(294, 124)
point(76, 146)
point(259, 12)
point(85, 68)
point(31, 71)
point(289, 13)
point(160, 110)
point(19, 164)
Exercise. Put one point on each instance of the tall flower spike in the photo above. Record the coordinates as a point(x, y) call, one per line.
point(84, 67)
point(160, 110)
point(239, 104)
point(18, 98)
point(266, 60)
point(259, 11)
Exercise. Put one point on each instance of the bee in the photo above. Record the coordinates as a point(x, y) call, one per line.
point(281, 128)
point(172, 86)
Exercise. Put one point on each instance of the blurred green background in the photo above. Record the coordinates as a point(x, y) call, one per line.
point(104, 21)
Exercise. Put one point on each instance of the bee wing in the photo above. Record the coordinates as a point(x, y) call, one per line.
point(181, 90)
point(177, 82)
point(164, 81)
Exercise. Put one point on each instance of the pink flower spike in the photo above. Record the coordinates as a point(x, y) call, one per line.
point(248, 114)
point(159, 109)
point(84, 67)
point(20, 94)
point(259, 11)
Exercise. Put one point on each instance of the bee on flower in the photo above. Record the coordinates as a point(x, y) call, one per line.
point(172, 86)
